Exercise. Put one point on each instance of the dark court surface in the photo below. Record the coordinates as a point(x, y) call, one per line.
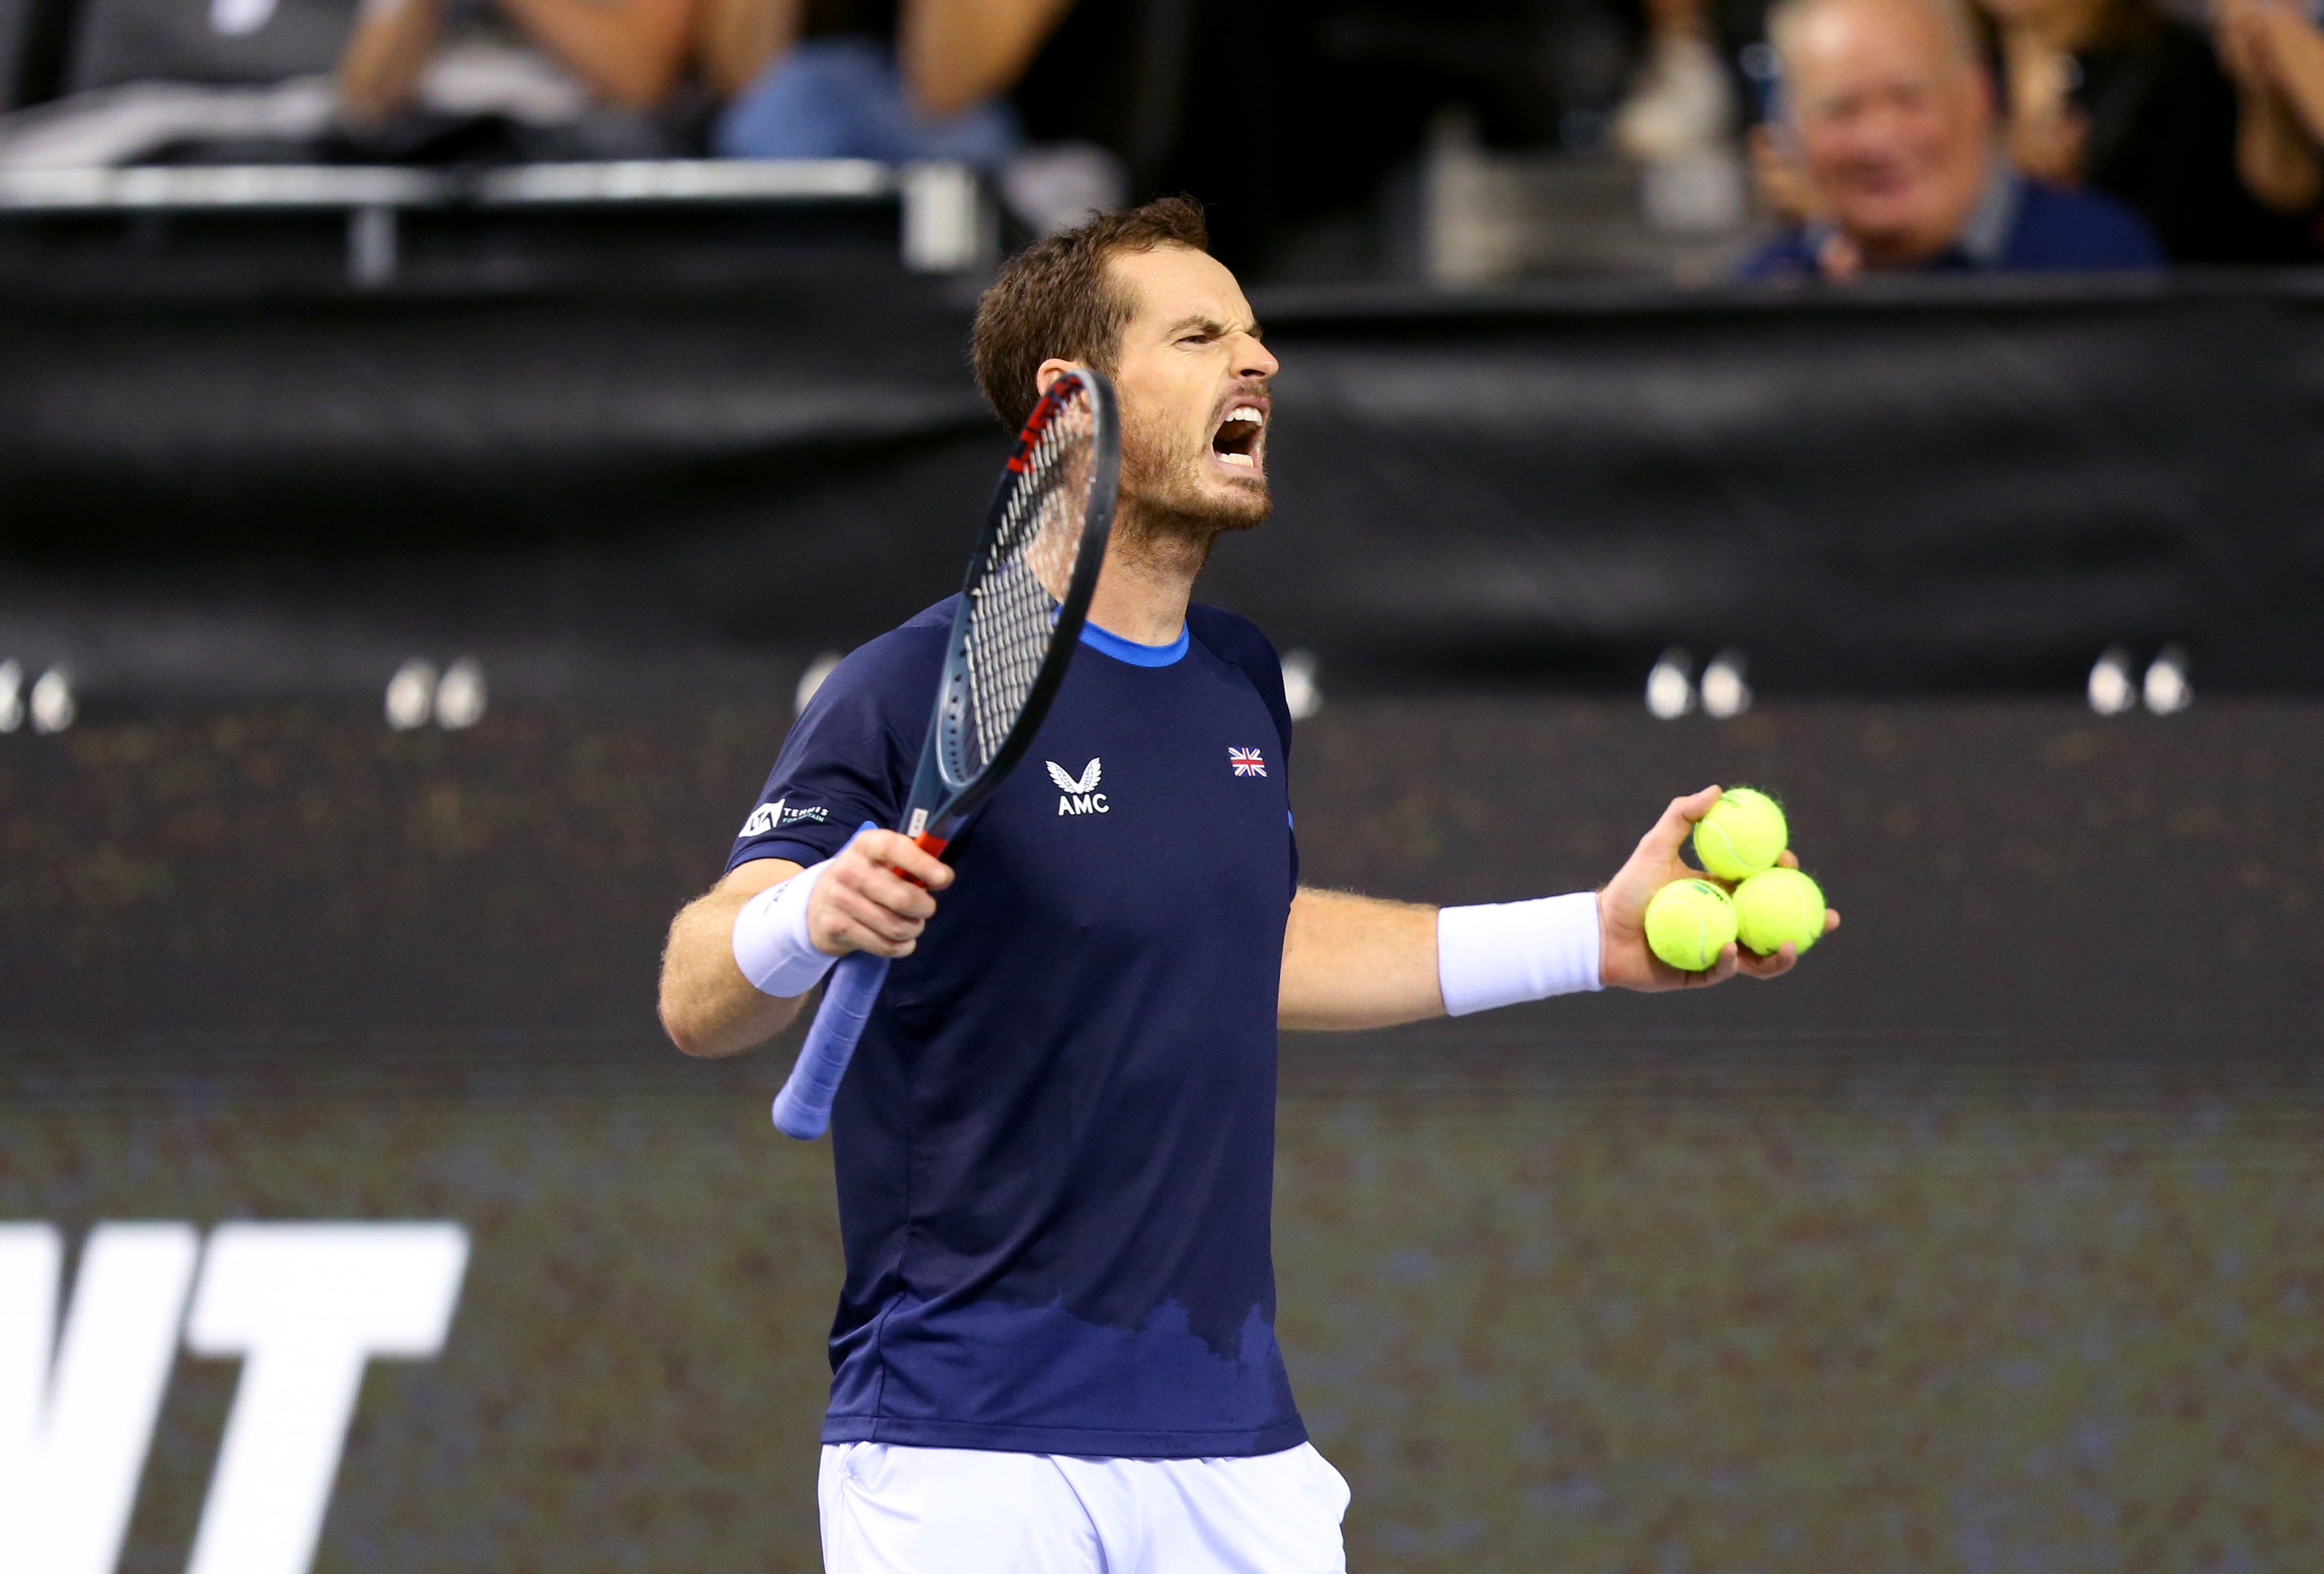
point(1994, 1238)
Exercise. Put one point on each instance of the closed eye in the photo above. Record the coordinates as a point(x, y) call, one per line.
point(1197, 330)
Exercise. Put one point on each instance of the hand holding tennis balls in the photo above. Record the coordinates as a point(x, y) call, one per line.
point(1626, 959)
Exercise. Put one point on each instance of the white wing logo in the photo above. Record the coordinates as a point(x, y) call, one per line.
point(1067, 784)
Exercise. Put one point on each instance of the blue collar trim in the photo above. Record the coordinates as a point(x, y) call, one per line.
point(1131, 650)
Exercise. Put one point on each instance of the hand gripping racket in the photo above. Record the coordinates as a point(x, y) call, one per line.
point(1020, 616)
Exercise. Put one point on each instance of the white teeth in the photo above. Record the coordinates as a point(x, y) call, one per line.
point(1244, 413)
point(1245, 460)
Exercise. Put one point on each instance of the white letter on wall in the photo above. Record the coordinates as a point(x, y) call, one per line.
point(74, 1432)
point(306, 1305)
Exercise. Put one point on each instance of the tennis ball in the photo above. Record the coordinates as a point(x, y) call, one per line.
point(1689, 923)
point(1743, 833)
point(1777, 905)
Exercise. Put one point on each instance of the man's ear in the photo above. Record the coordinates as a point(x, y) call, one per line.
point(1051, 369)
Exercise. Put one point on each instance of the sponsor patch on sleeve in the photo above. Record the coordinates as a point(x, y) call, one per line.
point(780, 816)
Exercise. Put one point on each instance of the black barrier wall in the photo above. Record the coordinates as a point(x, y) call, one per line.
point(1970, 483)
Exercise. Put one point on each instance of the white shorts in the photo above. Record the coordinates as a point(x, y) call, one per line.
point(890, 1509)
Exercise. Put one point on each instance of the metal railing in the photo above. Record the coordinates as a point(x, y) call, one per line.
point(947, 224)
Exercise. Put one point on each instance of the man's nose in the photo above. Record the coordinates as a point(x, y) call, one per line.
point(1884, 123)
point(1252, 360)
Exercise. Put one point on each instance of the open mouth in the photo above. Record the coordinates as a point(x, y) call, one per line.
point(1239, 438)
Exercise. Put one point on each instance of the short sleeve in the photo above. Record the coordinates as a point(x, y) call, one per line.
point(850, 756)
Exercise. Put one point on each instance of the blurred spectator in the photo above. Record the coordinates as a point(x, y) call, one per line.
point(891, 79)
point(1889, 112)
point(2113, 95)
point(596, 68)
point(2276, 53)
point(1683, 100)
point(1679, 125)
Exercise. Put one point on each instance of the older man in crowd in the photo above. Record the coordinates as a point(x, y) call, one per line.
point(1890, 113)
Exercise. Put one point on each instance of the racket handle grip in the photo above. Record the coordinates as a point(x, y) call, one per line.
point(803, 1109)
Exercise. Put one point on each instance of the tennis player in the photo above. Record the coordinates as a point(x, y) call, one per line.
point(1055, 1351)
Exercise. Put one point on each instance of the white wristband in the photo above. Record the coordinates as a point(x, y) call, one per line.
point(771, 941)
point(1500, 954)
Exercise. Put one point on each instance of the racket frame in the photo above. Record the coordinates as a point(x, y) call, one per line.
point(936, 806)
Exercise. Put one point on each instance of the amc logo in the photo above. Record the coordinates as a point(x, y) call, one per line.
point(306, 1306)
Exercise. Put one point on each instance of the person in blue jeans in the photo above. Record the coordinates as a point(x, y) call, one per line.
point(1888, 113)
point(889, 80)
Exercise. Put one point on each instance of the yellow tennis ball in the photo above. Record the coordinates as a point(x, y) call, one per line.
point(1689, 923)
point(1743, 833)
point(1777, 905)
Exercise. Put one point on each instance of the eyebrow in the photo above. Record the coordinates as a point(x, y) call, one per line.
point(1208, 325)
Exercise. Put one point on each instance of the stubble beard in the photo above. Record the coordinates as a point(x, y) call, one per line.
point(1166, 512)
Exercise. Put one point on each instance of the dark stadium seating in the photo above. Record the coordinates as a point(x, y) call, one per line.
point(205, 41)
point(238, 232)
point(16, 27)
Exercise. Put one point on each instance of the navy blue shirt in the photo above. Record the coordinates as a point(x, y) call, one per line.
point(1056, 1145)
point(2043, 228)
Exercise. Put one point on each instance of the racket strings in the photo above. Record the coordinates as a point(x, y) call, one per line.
point(1013, 606)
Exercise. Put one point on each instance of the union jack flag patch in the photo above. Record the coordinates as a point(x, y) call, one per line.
point(1247, 762)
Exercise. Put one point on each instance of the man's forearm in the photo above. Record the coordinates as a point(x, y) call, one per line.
point(1353, 961)
point(725, 991)
point(707, 1007)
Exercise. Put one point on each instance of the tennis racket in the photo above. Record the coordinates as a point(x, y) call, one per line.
point(1020, 616)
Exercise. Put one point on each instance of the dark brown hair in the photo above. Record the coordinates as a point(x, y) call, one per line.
point(1055, 298)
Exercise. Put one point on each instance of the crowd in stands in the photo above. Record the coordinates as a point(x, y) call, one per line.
point(1887, 149)
point(452, 80)
point(2035, 134)
point(2006, 133)
point(888, 80)
point(1882, 135)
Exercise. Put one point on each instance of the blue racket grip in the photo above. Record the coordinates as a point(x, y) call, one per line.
point(803, 1109)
